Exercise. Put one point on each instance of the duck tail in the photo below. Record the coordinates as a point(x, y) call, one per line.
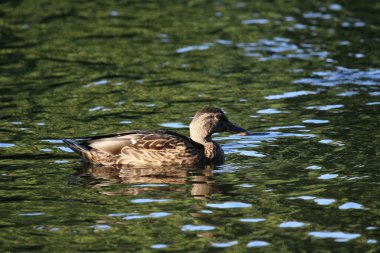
point(83, 150)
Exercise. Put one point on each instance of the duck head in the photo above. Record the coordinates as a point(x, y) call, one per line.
point(211, 120)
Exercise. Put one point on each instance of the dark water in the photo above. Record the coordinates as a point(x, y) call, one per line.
point(304, 75)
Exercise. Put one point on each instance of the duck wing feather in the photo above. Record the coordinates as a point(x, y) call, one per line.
point(145, 147)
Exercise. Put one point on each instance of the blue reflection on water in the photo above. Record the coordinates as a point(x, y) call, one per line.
point(224, 244)
point(325, 107)
point(197, 228)
point(142, 201)
point(6, 145)
point(227, 205)
point(174, 125)
point(338, 236)
point(101, 227)
point(351, 205)
point(292, 224)
point(324, 202)
point(253, 220)
point(32, 214)
point(159, 246)
point(270, 111)
point(342, 76)
point(255, 21)
point(328, 176)
point(254, 244)
point(291, 94)
point(151, 215)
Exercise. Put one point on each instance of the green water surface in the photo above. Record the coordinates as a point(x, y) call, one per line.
point(303, 75)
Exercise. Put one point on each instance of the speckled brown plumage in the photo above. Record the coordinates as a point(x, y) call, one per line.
point(159, 148)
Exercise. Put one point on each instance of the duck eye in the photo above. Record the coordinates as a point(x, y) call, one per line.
point(219, 117)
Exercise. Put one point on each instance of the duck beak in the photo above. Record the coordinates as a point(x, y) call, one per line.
point(237, 130)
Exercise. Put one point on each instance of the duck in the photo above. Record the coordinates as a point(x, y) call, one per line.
point(160, 147)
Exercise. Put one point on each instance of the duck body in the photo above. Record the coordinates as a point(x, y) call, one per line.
point(139, 148)
point(159, 147)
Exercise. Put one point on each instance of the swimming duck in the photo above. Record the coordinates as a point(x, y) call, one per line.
point(160, 147)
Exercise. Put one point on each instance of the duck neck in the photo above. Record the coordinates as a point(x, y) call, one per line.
point(212, 151)
point(201, 139)
point(199, 135)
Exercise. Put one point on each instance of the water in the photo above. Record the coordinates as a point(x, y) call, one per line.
point(303, 75)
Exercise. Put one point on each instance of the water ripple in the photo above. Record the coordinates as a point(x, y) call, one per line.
point(65, 149)
point(177, 125)
point(335, 7)
point(96, 83)
point(280, 48)
point(291, 94)
point(251, 153)
point(197, 228)
point(99, 108)
point(325, 107)
point(324, 202)
point(338, 236)
point(246, 185)
point(313, 167)
point(142, 201)
point(328, 176)
point(292, 224)
point(267, 136)
point(351, 205)
point(151, 215)
point(374, 93)
point(158, 246)
point(287, 127)
point(253, 220)
point(255, 22)
point(101, 227)
point(270, 111)
point(266, 49)
point(228, 205)
point(6, 145)
point(224, 244)
point(347, 93)
point(32, 214)
point(303, 197)
point(315, 121)
point(254, 244)
point(187, 49)
point(342, 76)
point(332, 142)
point(373, 103)
point(316, 15)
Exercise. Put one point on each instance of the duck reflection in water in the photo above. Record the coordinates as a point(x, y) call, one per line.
point(200, 179)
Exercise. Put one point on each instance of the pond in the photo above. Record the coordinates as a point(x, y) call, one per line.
point(304, 76)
